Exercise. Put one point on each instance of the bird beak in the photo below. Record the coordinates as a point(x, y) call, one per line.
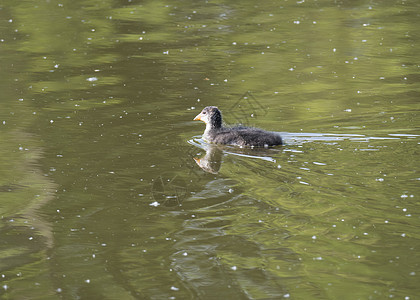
point(198, 117)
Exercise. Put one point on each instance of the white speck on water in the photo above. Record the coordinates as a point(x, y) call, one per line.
point(234, 268)
point(59, 290)
point(334, 50)
point(314, 237)
point(30, 238)
point(5, 287)
point(87, 280)
point(286, 296)
point(412, 273)
point(91, 79)
point(318, 258)
point(348, 110)
point(173, 288)
point(185, 254)
point(155, 204)
point(403, 234)
point(234, 43)
point(230, 191)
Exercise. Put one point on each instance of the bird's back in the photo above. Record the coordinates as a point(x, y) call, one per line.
point(244, 136)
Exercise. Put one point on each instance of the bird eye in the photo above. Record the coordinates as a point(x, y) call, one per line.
point(204, 112)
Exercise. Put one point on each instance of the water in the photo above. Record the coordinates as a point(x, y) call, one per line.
point(107, 190)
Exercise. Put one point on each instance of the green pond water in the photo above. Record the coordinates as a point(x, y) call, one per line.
point(107, 190)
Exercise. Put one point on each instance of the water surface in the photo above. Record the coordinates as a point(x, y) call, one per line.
point(107, 190)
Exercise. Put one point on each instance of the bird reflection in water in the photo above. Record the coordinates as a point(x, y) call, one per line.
point(211, 162)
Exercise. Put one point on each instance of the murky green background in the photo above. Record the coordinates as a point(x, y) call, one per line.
point(100, 197)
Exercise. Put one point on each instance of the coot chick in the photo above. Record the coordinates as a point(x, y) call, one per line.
point(216, 133)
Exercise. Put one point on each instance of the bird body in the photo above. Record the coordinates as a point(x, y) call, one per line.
point(242, 136)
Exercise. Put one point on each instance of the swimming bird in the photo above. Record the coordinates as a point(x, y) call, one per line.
point(242, 136)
